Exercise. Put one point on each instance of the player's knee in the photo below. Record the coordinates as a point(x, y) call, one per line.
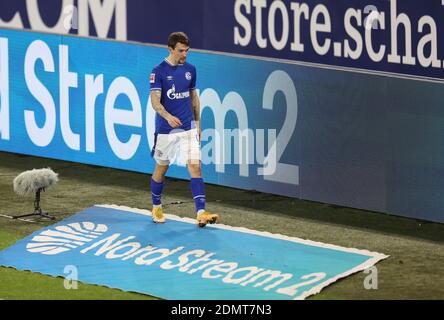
point(159, 172)
point(195, 170)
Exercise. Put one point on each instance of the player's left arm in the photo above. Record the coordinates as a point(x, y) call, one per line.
point(195, 104)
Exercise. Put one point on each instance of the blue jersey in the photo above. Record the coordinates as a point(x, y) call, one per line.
point(175, 82)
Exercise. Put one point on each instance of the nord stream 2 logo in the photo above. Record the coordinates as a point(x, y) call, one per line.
point(80, 236)
point(65, 238)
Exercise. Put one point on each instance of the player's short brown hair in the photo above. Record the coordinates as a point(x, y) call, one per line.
point(178, 37)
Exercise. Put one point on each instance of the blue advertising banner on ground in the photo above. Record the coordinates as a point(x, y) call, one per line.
point(122, 248)
point(353, 139)
point(393, 36)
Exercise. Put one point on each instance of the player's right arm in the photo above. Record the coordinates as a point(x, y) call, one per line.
point(160, 109)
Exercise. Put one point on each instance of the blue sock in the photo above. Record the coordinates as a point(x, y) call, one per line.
point(198, 191)
point(156, 192)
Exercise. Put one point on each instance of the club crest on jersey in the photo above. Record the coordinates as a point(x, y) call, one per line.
point(173, 95)
point(188, 75)
point(152, 77)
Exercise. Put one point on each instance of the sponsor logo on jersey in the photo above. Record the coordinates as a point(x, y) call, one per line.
point(180, 95)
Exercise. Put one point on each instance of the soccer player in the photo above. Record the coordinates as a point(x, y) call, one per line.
point(177, 106)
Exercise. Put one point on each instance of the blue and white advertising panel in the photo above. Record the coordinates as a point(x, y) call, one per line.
point(353, 139)
point(396, 36)
point(122, 248)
